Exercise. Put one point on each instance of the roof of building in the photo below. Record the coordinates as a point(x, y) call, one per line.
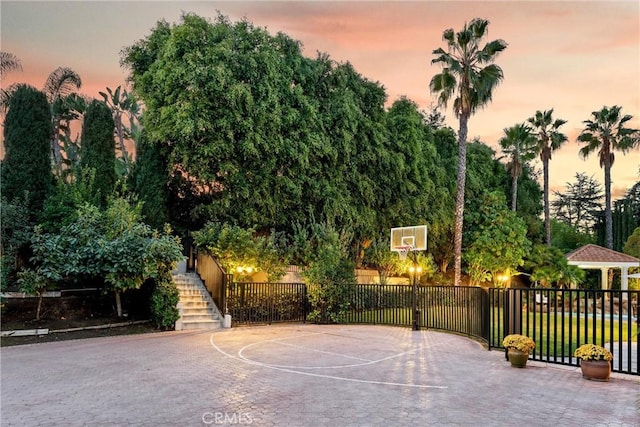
point(595, 253)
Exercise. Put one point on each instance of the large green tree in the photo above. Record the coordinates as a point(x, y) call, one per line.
point(469, 76)
point(520, 147)
point(499, 243)
point(547, 131)
point(580, 204)
point(98, 148)
point(26, 168)
point(606, 133)
point(227, 103)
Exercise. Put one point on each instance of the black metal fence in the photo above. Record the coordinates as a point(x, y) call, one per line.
point(459, 309)
point(559, 321)
point(267, 302)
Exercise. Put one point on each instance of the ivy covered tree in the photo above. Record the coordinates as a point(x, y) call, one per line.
point(26, 168)
point(98, 149)
point(256, 135)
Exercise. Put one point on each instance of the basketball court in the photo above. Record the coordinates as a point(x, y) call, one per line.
point(298, 375)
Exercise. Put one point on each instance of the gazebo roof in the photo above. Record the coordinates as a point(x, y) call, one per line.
point(594, 256)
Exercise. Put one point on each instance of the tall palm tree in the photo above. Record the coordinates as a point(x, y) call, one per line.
point(469, 76)
point(545, 128)
point(520, 146)
point(61, 83)
point(606, 133)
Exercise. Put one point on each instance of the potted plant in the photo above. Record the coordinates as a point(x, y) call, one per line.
point(518, 348)
point(595, 362)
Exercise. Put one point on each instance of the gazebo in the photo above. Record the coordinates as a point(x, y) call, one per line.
point(597, 257)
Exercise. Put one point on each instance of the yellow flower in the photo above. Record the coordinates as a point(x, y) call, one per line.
point(519, 342)
point(592, 352)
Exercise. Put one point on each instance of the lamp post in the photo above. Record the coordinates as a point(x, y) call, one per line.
point(414, 270)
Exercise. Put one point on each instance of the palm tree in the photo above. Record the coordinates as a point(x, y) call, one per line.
point(61, 83)
point(545, 128)
point(520, 146)
point(468, 73)
point(606, 133)
point(8, 62)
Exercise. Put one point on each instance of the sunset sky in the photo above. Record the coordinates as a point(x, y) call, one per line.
point(574, 57)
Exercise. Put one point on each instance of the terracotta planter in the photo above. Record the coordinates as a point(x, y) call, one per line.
point(595, 370)
point(517, 358)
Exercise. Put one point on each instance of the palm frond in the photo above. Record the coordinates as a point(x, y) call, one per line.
point(9, 62)
point(61, 82)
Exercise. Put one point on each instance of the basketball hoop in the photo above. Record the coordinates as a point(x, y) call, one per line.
point(403, 251)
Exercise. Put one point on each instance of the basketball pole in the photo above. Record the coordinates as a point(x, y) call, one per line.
point(414, 297)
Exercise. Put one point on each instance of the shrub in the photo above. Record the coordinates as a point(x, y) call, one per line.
point(330, 279)
point(164, 301)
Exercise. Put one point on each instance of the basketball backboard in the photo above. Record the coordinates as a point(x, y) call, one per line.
point(415, 237)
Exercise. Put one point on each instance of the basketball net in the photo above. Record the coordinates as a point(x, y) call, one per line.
point(403, 251)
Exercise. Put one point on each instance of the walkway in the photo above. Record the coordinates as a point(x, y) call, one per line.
point(299, 375)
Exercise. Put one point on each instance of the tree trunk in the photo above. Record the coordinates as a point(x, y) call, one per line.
point(55, 146)
point(462, 171)
point(40, 298)
point(514, 193)
point(118, 304)
point(608, 217)
point(547, 216)
point(119, 132)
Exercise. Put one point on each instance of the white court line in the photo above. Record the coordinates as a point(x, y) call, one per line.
point(333, 377)
point(279, 341)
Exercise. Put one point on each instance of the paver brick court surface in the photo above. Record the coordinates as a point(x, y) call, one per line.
point(299, 375)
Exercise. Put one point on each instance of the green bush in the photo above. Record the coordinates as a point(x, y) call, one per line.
point(330, 280)
point(164, 301)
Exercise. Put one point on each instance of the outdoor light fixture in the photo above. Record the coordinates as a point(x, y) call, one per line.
point(243, 269)
point(414, 269)
point(502, 277)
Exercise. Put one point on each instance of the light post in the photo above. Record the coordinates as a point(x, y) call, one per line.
point(415, 270)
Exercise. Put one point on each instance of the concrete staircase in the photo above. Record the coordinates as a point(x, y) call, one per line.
point(197, 309)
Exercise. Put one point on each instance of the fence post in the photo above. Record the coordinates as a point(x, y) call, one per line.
point(513, 311)
point(485, 314)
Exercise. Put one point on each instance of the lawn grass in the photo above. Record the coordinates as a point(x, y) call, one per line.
point(555, 333)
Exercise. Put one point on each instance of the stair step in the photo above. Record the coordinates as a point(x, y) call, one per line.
point(188, 311)
point(198, 312)
point(192, 298)
point(195, 304)
point(215, 324)
point(192, 291)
